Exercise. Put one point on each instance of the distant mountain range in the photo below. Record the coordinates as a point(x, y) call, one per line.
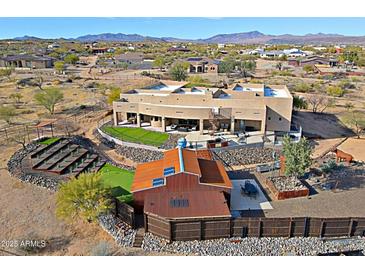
point(252, 37)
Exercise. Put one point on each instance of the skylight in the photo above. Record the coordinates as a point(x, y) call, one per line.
point(169, 171)
point(158, 182)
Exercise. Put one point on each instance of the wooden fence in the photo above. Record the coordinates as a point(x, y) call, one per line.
point(125, 212)
point(203, 229)
point(69, 125)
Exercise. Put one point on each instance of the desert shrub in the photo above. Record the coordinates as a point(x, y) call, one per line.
point(302, 87)
point(329, 166)
point(346, 84)
point(335, 91)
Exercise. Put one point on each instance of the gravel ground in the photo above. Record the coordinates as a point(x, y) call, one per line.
point(283, 183)
point(109, 144)
point(244, 156)
point(124, 236)
point(172, 141)
point(139, 155)
point(253, 246)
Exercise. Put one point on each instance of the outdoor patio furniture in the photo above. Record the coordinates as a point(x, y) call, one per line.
point(248, 189)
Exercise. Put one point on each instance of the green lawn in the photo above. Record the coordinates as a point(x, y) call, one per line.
point(49, 141)
point(120, 181)
point(137, 135)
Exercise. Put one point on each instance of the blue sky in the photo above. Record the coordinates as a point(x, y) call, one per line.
point(178, 27)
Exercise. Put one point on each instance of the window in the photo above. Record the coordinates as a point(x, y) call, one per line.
point(269, 118)
point(279, 118)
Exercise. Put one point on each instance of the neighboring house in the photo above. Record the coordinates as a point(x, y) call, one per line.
point(294, 52)
point(313, 60)
point(26, 61)
point(326, 70)
point(239, 108)
point(202, 65)
point(178, 48)
point(184, 184)
point(53, 46)
point(135, 60)
point(272, 54)
point(99, 50)
point(257, 51)
point(130, 57)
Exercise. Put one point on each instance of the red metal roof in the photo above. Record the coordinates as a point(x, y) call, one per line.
point(211, 172)
point(193, 204)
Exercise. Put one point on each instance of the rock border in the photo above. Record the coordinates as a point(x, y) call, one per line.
point(14, 166)
point(252, 246)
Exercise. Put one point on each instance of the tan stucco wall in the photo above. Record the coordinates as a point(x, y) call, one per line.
point(274, 112)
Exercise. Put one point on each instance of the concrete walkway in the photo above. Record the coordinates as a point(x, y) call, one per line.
point(350, 203)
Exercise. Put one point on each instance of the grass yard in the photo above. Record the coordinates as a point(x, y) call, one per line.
point(137, 135)
point(120, 181)
point(49, 141)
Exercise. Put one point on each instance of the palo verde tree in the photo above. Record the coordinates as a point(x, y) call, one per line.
point(71, 59)
point(59, 66)
point(297, 156)
point(159, 62)
point(179, 72)
point(246, 66)
point(227, 65)
point(7, 113)
point(49, 98)
point(84, 196)
point(114, 95)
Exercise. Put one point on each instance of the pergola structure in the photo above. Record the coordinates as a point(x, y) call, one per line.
point(43, 125)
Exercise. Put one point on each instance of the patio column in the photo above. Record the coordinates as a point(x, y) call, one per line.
point(163, 120)
point(138, 119)
point(201, 125)
point(263, 125)
point(115, 118)
point(232, 124)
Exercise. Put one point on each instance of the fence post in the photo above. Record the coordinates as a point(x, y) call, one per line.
point(349, 234)
point(321, 229)
point(290, 227)
point(305, 231)
point(259, 229)
point(116, 207)
point(201, 230)
point(145, 222)
point(170, 232)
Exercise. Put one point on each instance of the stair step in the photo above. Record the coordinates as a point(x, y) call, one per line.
point(138, 239)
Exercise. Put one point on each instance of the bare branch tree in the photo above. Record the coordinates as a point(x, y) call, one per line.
point(319, 103)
